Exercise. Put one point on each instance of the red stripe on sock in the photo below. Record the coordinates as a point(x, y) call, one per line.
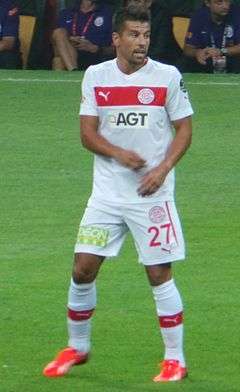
point(171, 321)
point(80, 315)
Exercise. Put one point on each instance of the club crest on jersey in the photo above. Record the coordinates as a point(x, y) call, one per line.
point(146, 96)
point(128, 119)
point(229, 31)
point(157, 214)
point(99, 21)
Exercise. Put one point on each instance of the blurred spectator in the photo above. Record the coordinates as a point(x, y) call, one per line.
point(9, 44)
point(83, 36)
point(184, 8)
point(213, 39)
point(45, 48)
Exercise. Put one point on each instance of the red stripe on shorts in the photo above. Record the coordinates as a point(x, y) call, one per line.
point(171, 222)
point(171, 321)
point(80, 315)
point(130, 95)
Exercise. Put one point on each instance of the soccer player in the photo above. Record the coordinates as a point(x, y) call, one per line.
point(129, 106)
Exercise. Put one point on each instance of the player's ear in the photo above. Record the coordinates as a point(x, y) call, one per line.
point(115, 39)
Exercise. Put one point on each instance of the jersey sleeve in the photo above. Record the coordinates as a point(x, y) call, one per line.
point(64, 15)
point(193, 36)
point(88, 104)
point(237, 26)
point(177, 104)
point(11, 24)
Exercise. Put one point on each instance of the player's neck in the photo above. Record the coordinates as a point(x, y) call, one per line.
point(218, 19)
point(129, 68)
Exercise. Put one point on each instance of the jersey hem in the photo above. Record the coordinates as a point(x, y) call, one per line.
point(93, 201)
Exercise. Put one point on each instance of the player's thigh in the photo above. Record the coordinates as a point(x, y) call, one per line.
point(157, 232)
point(101, 232)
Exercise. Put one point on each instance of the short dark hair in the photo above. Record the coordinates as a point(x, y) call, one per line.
point(132, 13)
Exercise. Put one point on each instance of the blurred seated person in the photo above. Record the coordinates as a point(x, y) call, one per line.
point(10, 57)
point(213, 40)
point(163, 46)
point(83, 36)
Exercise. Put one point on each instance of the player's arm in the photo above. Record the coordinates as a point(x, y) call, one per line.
point(98, 144)
point(180, 143)
point(193, 46)
point(7, 43)
point(9, 28)
point(233, 50)
point(152, 181)
point(201, 55)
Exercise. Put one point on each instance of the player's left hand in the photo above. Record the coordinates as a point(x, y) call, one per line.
point(85, 44)
point(214, 53)
point(152, 181)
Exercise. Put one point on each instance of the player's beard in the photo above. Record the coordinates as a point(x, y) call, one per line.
point(138, 57)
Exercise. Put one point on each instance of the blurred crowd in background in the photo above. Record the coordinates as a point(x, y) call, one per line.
point(50, 45)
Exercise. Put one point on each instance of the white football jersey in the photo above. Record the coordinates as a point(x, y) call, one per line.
point(135, 112)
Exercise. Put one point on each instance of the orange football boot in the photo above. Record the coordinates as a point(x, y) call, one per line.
point(64, 361)
point(171, 370)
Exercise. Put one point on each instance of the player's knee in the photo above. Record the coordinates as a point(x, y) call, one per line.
point(59, 34)
point(159, 274)
point(82, 276)
point(85, 269)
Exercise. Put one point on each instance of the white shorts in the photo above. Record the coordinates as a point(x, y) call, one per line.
point(155, 228)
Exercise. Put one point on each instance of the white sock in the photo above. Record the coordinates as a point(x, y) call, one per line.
point(170, 313)
point(81, 304)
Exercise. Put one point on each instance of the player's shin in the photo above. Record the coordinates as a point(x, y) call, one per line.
point(81, 305)
point(170, 313)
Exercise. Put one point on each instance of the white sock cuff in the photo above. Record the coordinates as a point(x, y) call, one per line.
point(167, 298)
point(84, 286)
point(82, 296)
point(164, 287)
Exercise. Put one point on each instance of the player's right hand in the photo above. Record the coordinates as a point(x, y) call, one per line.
point(130, 159)
point(202, 56)
point(214, 53)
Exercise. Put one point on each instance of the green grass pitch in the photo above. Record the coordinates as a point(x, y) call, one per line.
point(45, 182)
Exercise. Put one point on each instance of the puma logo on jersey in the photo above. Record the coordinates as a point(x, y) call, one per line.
point(105, 96)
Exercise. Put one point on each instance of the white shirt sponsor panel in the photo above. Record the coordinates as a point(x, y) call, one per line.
point(135, 112)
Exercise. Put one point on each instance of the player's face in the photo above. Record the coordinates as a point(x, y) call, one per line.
point(133, 42)
point(219, 8)
point(87, 4)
